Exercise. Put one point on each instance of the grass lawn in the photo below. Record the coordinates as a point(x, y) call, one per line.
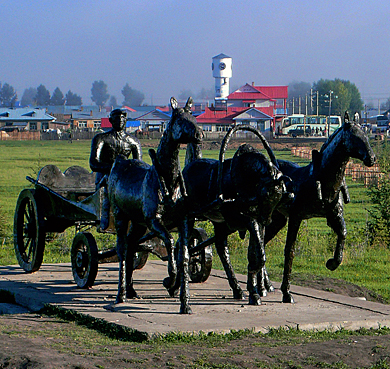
point(362, 265)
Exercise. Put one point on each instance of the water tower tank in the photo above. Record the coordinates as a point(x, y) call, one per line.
point(222, 71)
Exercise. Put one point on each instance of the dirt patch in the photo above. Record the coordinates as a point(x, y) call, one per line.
point(36, 341)
point(336, 286)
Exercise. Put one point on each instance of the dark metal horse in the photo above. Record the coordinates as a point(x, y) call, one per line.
point(319, 190)
point(148, 196)
point(251, 188)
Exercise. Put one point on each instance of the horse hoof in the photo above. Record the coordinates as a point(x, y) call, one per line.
point(263, 293)
point(270, 288)
point(332, 264)
point(169, 283)
point(238, 295)
point(254, 299)
point(185, 310)
point(132, 295)
point(173, 292)
point(288, 299)
point(119, 300)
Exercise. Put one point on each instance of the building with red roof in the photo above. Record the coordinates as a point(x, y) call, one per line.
point(259, 106)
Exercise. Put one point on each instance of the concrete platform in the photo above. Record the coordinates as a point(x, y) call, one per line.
point(211, 302)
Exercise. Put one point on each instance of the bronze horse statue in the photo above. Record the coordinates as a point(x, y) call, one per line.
point(319, 190)
point(149, 197)
point(237, 194)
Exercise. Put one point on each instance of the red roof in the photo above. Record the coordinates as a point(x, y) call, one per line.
point(260, 93)
point(226, 116)
point(128, 108)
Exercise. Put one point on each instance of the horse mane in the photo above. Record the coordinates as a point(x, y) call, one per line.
point(330, 139)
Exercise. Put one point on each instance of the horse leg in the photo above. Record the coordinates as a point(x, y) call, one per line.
point(162, 233)
point(292, 232)
point(271, 230)
point(335, 220)
point(256, 260)
point(121, 248)
point(135, 233)
point(221, 234)
point(183, 260)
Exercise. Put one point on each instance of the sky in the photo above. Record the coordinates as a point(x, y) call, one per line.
point(164, 47)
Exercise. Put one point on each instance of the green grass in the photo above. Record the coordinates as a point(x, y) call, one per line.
point(362, 265)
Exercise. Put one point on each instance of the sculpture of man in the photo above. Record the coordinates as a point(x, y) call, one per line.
point(105, 147)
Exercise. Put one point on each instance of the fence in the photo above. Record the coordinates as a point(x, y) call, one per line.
point(358, 172)
point(20, 136)
point(50, 135)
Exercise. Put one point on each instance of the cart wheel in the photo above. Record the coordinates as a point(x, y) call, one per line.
point(29, 233)
point(140, 259)
point(84, 258)
point(200, 265)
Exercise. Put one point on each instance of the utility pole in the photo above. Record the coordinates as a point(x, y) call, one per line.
point(311, 101)
point(330, 101)
point(306, 104)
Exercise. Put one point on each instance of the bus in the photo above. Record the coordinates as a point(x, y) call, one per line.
point(379, 123)
point(317, 125)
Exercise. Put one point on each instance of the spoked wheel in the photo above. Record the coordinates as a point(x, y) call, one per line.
point(199, 267)
point(84, 258)
point(29, 233)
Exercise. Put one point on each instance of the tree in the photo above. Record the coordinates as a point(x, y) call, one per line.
point(205, 94)
point(185, 94)
point(72, 99)
point(296, 89)
point(29, 95)
point(99, 93)
point(57, 98)
point(386, 105)
point(8, 95)
point(43, 96)
point(297, 92)
point(337, 96)
point(132, 97)
point(113, 101)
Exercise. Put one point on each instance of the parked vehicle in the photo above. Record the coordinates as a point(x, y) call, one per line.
point(319, 123)
point(300, 131)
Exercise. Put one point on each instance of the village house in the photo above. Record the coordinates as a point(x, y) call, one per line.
point(88, 119)
point(27, 119)
point(258, 106)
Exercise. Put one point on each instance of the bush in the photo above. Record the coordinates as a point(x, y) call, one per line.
point(379, 193)
point(3, 224)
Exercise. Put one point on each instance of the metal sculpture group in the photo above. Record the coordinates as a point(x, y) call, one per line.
point(245, 193)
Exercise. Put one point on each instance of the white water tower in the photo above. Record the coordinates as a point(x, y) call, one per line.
point(222, 70)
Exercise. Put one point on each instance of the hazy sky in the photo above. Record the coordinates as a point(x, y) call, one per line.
point(162, 47)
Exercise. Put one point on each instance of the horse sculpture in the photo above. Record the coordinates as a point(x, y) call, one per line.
point(236, 194)
point(149, 197)
point(319, 190)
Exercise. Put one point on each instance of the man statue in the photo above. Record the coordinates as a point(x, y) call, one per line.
point(105, 147)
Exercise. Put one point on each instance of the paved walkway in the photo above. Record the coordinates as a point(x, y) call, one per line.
point(211, 302)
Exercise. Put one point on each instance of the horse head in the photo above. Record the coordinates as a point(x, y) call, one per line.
point(356, 140)
point(183, 126)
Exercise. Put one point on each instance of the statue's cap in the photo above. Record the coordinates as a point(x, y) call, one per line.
point(118, 112)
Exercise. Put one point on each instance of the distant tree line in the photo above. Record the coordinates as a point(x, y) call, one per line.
point(40, 96)
point(324, 97)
